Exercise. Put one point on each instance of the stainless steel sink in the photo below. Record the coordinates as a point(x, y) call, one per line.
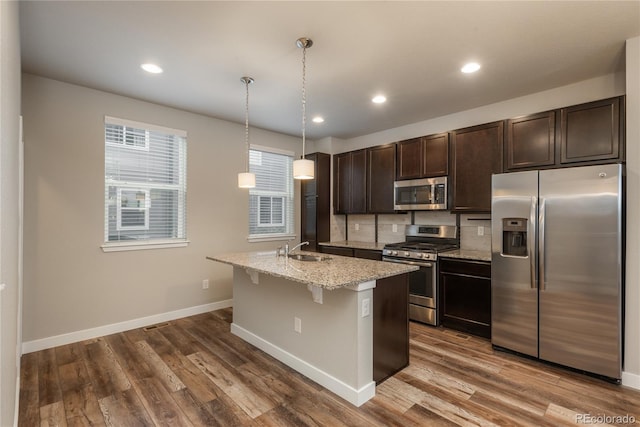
point(309, 257)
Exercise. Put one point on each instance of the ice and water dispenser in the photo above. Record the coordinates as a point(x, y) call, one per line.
point(514, 236)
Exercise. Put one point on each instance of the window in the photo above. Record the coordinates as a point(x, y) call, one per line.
point(271, 204)
point(270, 211)
point(133, 209)
point(145, 185)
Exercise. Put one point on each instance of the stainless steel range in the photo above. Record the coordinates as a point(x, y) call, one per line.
point(423, 242)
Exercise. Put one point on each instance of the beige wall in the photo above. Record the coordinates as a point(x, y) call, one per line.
point(70, 283)
point(9, 209)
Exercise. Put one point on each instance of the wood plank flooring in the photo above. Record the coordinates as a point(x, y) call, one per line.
point(194, 372)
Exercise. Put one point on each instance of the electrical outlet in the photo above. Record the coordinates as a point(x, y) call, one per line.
point(480, 230)
point(297, 325)
point(356, 227)
point(366, 307)
point(394, 228)
point(205, 284)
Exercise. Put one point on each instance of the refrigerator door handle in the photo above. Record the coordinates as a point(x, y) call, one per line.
point(541, 255)
point(531, 232)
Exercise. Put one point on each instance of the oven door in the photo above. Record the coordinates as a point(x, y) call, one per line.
point(422, 290)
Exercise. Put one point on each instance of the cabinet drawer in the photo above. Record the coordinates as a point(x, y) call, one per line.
point(368, 254)
point(336, 250)
point(470, 268)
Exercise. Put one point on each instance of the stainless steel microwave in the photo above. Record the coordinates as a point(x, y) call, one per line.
point(420, 194)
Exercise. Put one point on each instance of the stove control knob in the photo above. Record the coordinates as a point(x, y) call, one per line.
point(422, 256)
point(394, 253)
point(407, 253)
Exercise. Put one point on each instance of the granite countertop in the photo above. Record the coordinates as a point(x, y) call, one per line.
point(466, 254)
point(372, 246)
point(334, 273)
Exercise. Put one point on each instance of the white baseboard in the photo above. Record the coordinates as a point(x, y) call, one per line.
point(631, 380)
point(16, 410)
point(354, 396)
point(85, 334)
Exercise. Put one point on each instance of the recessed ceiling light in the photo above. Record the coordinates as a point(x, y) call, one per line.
point(379, 99)
point(318, 119)
point(470, 67)
point(151, 68)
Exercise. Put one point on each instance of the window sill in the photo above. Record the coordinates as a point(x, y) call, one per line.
point(139, 246)
point(270, 238)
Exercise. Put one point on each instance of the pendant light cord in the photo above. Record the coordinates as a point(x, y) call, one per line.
point(246, 124)
point(304, 97)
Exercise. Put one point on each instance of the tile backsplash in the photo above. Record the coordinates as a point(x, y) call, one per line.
point(475, 229)
point(475, 232)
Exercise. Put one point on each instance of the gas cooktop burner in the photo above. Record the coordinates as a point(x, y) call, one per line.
point(423, 242)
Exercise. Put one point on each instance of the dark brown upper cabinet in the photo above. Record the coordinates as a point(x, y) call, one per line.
point(436, 161)
point(531, 141)
point(410, 158)
point(476, 155)
point(588, 133)
point(315, 205)
point(381, 172)
point(592, 131)
point(423, 157)
point(350, 182)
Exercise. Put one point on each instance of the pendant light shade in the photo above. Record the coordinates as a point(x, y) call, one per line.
point(246, 179)
point(303, 168)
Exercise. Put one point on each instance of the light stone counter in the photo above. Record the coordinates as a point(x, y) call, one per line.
point(334, 273)
point(466, 254)
point(351, 244)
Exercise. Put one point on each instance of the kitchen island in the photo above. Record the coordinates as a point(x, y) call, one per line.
point(315, 316)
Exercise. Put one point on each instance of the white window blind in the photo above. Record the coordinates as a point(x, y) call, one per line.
point(271, 204)
point(145, 183)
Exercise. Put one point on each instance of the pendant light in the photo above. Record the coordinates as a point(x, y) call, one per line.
point(303, 168)
point(246, 179)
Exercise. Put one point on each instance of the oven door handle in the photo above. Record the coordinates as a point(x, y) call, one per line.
point(419, 264)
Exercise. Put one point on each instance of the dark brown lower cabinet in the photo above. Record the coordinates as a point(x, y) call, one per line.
point(368, 254)
point(390, 326)
point(336, 250)
point(465, 296)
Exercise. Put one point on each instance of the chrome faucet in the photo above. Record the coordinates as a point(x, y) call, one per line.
point(287, 251)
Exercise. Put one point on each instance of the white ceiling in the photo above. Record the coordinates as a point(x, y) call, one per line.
point(410, 51)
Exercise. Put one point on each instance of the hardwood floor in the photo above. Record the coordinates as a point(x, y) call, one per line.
point(194, 372)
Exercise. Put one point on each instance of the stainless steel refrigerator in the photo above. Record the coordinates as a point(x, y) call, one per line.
point(557, 266)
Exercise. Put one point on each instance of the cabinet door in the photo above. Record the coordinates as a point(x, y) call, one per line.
point(323, 197)
point(592, 131)
point(381, 172)
point(436, 155)
point(309, 223)
point(308, 186)
point(465, 296)
point(477, 153)
point(315, 203)
point(390, 326)
point(358, 182)
point(342, 183)
point(531, 141)
point(410, 154)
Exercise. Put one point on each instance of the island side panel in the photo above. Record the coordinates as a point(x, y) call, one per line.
point(335, 342)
